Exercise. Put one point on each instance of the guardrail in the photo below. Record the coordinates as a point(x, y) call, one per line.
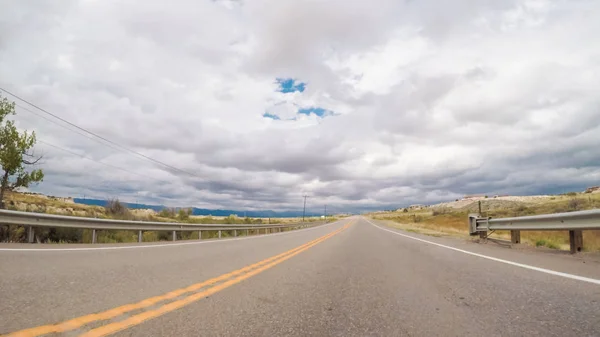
point(574, 222)
point(33, 220)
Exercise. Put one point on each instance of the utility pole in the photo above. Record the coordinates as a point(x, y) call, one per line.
point(304, 209)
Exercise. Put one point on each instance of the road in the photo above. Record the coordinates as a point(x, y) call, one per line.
point(349, 278)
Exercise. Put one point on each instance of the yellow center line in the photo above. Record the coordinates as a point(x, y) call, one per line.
point(245, 273)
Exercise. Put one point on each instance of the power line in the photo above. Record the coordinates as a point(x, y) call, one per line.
point(94, 160)
point(100, 137)
point(67, 128)
point(83, 135)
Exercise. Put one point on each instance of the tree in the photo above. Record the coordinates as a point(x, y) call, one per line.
point(15, 153)
point(184, 214)
point(117, 209)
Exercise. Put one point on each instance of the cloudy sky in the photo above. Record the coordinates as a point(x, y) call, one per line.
point(359, 104)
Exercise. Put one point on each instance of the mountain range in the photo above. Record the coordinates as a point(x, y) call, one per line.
point(203, 211)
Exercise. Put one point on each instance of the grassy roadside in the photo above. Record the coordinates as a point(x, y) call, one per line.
point(64, 206)
point(453, 222)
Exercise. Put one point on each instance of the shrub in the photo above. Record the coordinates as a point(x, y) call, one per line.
point(230, 220)
point(208, 219)
point(184, 214)
point(167, 213)
point(116, 209)
point(150, 236)
point(575, 204)
point(440, 211)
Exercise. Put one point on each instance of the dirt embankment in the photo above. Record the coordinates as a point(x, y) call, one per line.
point(494, 202)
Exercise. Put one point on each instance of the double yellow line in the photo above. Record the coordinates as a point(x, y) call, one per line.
point(212, 286)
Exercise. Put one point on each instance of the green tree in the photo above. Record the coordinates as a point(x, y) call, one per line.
point(184, 214)
point(15, 153)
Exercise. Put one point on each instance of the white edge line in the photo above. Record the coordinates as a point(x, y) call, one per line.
point(196, 242)
point(526, 266)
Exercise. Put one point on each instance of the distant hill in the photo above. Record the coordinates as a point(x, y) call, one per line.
point(202, 211)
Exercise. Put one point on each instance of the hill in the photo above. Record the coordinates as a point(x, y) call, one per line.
point(205, 212)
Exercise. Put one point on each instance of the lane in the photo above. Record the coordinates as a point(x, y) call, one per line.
point(336, 280)
point(46, 287)
point(367, 282)
point(581, 267)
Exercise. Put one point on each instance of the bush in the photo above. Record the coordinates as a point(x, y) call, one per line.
point(575, 204)
point(184, 214)
point(230, 220)
point(440, 211)
point(150, 236)
point(167, 213)
point(117, 209)
point(208, 219)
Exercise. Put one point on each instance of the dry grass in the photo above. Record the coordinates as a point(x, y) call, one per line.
point(114, 210)
point(454, 221)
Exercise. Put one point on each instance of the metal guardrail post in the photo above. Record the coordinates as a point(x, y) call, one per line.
point(200, 235)
point(93, 236)
point(219, 233)
point(30, 234)
point(576, 241)
point(174, 236)
point(235, 233)
point(473, 224)
point(515, 236)
point(247, 232)
point(140, 236)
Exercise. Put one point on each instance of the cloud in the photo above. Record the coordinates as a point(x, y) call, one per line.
point(362, 105)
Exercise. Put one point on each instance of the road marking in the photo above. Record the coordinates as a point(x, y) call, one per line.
point(238, 276)
point(161, 245)
point(521, 265)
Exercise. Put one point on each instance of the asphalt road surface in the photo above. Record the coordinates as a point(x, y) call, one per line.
point(349, 278)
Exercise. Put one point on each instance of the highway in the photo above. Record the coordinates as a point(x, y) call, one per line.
point(353, 277)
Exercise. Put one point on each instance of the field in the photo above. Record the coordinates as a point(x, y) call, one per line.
point(450, 219)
